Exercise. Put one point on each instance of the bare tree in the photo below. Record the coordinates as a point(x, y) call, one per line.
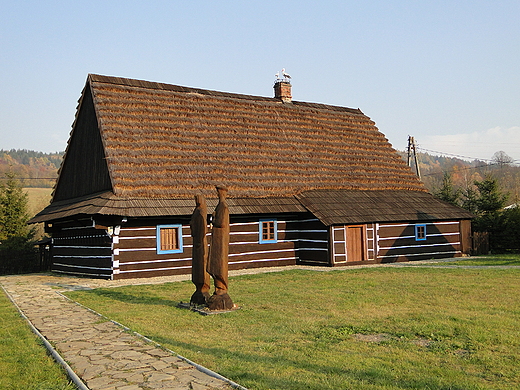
point(501, 158)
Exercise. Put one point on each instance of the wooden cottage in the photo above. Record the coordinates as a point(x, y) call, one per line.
point(308, 184)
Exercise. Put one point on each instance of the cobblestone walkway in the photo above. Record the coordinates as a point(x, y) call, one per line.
point(101, 353)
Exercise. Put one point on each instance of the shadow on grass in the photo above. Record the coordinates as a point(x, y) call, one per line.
point(135, 299)
point(327, 377)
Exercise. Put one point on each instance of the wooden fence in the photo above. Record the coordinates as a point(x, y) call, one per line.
point(480, 243)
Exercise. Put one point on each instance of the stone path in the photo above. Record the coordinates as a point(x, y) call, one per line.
point(101, 353)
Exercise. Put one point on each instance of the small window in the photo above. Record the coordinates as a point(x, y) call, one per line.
point(169, 239)
point(268, 231)
point(420, 232)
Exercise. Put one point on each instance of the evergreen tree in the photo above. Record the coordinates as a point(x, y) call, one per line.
point(469, 200)
point(17, 252)
point(508, 237)
point(487, 202)
point(447, 192)
point(491, 199)
point(13, 211)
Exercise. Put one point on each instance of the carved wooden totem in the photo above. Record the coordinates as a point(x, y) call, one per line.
point(218, 255)
point(199, 275)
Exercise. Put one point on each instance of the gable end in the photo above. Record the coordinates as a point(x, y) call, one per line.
point(84, 168)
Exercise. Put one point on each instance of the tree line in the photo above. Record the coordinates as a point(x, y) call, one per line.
point(465, 173)
point(488, 189)
point(487, 201)
point(33, 169)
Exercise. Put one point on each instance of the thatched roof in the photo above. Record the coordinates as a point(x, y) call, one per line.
point(168, 141)
point(144, 143)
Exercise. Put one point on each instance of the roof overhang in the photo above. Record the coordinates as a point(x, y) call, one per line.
point(331, 207)
point(107, 203)
point(341, 207)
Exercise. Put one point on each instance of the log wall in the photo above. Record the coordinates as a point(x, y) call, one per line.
point(313, 243)
point(397, 241)
point(80, 249)
point(298, 240)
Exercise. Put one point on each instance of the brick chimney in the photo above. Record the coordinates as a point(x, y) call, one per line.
point(282, 91)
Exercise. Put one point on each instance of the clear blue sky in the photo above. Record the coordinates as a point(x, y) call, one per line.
point(446, 72)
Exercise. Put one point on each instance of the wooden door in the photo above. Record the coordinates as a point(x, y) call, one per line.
point(355, 243)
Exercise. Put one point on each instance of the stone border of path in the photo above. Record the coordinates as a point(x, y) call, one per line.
point(126, 328)
point(59, 359)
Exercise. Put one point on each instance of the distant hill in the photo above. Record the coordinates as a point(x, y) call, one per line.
point(34, 169)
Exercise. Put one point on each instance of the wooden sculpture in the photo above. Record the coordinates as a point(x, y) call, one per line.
point(199, 275)
point(218, 255)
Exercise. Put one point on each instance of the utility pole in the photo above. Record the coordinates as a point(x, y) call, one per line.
point(412, 149)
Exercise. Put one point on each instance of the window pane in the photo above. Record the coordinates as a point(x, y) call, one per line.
point(420, 232)
point(268, 230)
point(169, 239)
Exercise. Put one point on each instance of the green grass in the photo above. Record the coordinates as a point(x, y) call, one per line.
point(491, 260)
point(24, 362)
point(427, 328)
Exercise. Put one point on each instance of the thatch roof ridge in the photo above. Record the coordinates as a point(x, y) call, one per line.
point(121, 81)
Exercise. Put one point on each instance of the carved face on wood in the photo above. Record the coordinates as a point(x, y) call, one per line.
point(222, 192)
point(200, 201)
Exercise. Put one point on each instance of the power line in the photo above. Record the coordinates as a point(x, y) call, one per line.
point(29, 178)
point(460, 156)
point(462, 169)
point(454, 155)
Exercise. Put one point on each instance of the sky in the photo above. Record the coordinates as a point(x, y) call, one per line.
point(445, 72)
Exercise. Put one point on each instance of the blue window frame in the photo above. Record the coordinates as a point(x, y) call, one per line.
point(268, 231)
point(169, 239)
point(420, 232)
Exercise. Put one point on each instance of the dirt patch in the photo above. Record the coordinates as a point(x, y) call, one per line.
point(372, 338)
point(422, 342)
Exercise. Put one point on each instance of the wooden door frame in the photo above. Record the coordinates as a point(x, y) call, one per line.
point(364, 243)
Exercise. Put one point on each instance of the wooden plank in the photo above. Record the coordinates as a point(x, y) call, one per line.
point(96, 262)
point(409, 251)
point(81, 251)
point(355, 243)
point(154, 265)
point(465, 233)
point(402, 242)
point(91, 272)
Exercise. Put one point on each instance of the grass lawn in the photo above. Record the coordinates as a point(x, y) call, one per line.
point(507, 259)
point(373, 328)
point(38, 198)
point(24, 362)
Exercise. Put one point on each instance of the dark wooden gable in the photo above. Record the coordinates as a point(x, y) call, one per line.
point(84, 169)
